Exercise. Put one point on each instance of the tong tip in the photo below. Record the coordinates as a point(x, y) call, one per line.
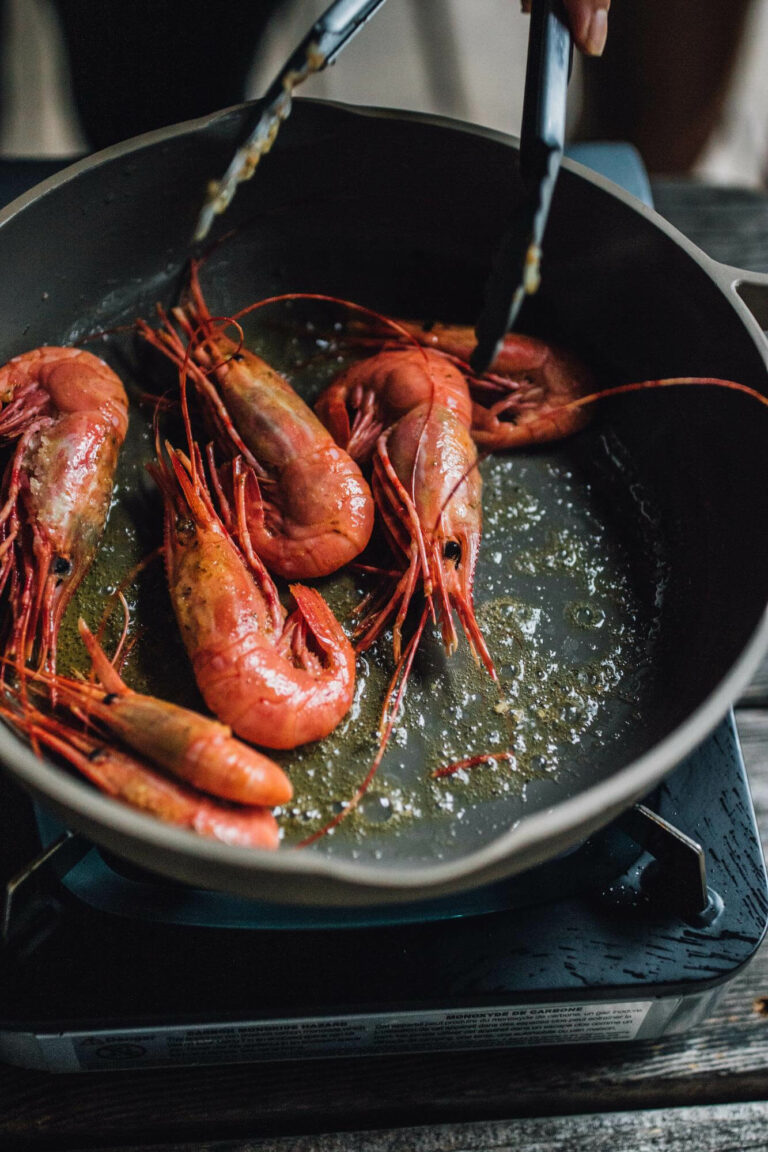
point(483, 355)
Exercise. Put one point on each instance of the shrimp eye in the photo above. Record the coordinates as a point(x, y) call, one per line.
point(237, 356)
point(110, 698)
point(452, 551)
point(61, 566)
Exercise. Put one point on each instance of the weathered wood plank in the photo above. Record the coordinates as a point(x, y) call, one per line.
point(736, 1127)
point(752, 725)
point(730, 224)
point(756, 693)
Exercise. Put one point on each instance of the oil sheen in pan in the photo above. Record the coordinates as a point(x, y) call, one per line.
point(568, 590)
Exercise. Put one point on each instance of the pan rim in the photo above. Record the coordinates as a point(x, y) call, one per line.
point(347, 880)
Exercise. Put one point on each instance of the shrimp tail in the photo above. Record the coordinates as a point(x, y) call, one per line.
point(320, 621)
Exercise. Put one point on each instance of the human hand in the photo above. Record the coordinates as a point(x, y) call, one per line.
point(589, 23)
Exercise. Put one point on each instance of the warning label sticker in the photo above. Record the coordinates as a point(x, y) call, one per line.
point(380, 1033)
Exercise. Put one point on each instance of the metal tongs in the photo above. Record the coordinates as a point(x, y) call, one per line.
point(320, 47)
point(515, 273)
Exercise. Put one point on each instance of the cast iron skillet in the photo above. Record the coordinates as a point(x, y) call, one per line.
point(403, 213)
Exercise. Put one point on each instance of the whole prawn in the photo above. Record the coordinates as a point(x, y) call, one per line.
point(278, 679)
point(526, 396)
point(194, 748)
point(412, 413)
point(68, 412)
point(131, 780)
point(309, 510)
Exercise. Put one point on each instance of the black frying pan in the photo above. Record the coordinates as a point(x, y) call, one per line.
point(664, 489)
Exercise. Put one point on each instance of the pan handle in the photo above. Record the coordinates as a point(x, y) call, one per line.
point(751, 288)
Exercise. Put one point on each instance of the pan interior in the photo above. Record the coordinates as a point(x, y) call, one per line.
point(568, 589)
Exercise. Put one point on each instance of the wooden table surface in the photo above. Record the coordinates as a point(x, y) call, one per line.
point(701, 1090)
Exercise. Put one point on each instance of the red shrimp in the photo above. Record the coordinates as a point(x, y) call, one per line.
point(278, 679)
point(534, 391)
point(525, 396)
point(68, 412)
point(411, 408)
point(194, 748)
point(129, 779)
point(309, 510)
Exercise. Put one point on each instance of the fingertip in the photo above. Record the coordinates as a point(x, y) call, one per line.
point(589, 24)
point(597, 33)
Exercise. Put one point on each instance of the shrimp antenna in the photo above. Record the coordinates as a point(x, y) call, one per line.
point(389, 713)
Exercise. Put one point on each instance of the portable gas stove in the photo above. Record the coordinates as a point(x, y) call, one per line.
point(632, 935)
